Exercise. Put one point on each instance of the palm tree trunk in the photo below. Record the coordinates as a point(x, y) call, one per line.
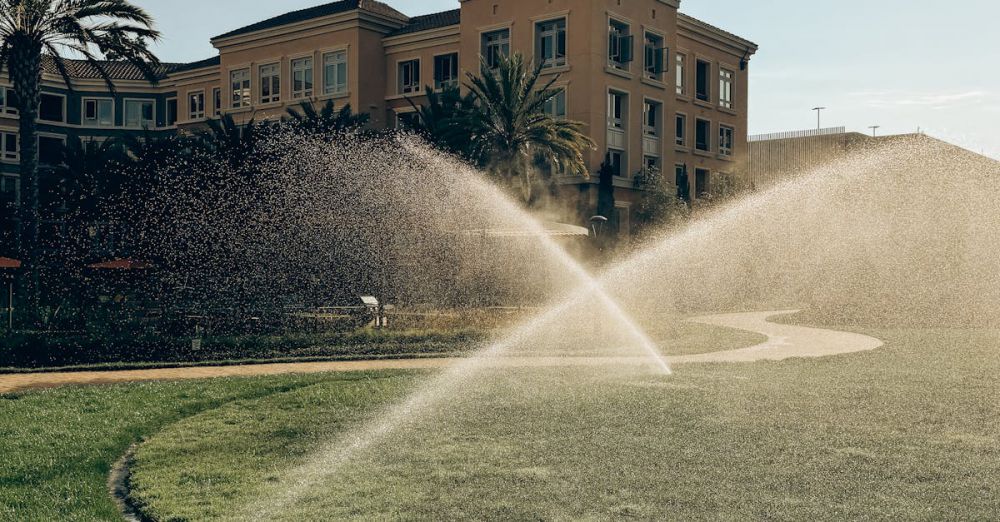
point(26, 74)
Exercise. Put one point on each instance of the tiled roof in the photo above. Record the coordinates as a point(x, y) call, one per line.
point(431, 21)
point(318, 12)
point(117, 70)
point(214, 61)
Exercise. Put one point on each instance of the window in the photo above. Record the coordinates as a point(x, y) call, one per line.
point(550, 43)
point(446, 71)
point(409, 76)
point(9, 146)
point(217, 101)
point(196, 105)
point(302, 78)
point(52, 108)
point(407, 120)
point(680, 134)
point(726, 88)
point(651, 119)
point(51, 150)
point(651, 163)
point(701, 181)
point(556, 105)
point(139, 114)
point(240, 82)
point(655, 63)
point(617, 110)
point(726, 135)
point(7, 101)
point(619, 45)
point(703, 138)
point(616, 160)
point(704, 72)
point(681, 74)
point(335, 73)
point(10, 187)
point(98, 112)
point(495, 44)
point(270, 83)
point(681, 181)
point(171, 112)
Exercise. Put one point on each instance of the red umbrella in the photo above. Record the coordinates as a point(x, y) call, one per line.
point(121, 264)
point(8, 263)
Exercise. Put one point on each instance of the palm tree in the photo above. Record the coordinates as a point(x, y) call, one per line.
point(35, 30)
point(440, 119)
point(327, 120)
point(511, 128)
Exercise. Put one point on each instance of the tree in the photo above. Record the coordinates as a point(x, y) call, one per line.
point(510, 126)
point(439, 120)
point(35, 30)
point(325, 121)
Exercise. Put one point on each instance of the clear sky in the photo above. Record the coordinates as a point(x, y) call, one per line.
point(901, 64)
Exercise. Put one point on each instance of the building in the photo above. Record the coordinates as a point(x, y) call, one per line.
point(656, 88)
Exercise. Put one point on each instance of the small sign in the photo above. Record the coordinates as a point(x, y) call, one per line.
point(196, 344)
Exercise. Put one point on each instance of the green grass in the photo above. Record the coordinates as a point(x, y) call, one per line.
point(57, 446)
point(909, 431)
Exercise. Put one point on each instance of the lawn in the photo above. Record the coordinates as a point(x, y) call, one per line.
point(909, 431)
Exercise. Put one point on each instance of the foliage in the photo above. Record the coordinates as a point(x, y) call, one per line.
point(327, 121)
point(509, 127)
point(35, 30)
point(439, 119)
point(658, 206)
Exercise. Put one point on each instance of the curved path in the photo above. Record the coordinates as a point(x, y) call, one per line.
point(783, 342)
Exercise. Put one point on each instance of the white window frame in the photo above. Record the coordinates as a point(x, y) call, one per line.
point(440, 84)
point(6, 177)
point(708, 81)
point(64, 107)
point(708, 146)
point(501, 44)
point(680, 75)
point(195, 113)
point(96, 121)
point(304, 66)
point(647, 130)
point(727, 81)
point(269, 75)
point(333, 60)
point(38, 146)
point(650, 52)
point(724, 148)
point(622, 162)
point(617, 121)
point(620, 55)
point(241, 96)
point(550, 30)
point(166, 111)
point(551, 107)
point(681, 140)
point(217, 101)
point(413, 87)
point(401, 111)
point(5, 136)
point(142, 101)
point(6, 107)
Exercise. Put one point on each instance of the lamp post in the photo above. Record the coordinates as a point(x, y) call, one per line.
point(597, 224)
point(819, 112)
point(874, 128)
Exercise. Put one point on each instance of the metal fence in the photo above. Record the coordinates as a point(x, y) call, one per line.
point(775, 157)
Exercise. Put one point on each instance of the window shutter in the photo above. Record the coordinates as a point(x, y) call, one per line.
point(666, 60)
point(561, 46)
point(626, 43)
point(657, 60)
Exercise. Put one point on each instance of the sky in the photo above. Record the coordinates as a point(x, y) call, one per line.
point(901, 64)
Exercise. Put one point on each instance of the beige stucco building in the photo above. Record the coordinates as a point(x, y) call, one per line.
point(654, 87)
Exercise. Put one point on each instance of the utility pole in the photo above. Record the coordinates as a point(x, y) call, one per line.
point(874, 128)
point(819, 111)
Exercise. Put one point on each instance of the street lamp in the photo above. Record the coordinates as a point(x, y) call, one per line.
point(597, 224)
point(819, 111)
point(874, 128)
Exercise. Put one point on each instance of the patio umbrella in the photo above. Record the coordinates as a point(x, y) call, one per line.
point(8, 264)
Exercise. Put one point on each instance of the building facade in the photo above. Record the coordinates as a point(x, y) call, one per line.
point(654, 87)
